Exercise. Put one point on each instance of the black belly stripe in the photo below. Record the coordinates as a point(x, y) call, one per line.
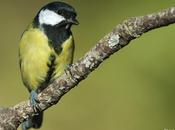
point(48, 77)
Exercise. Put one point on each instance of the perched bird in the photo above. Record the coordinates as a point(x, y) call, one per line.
point(45, 50)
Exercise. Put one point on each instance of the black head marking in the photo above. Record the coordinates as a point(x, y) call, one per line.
point(60, 8)
point(59, 32)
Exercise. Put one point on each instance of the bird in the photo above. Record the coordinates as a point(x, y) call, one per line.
point(46, 49)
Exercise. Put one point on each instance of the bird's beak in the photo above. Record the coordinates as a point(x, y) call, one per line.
point(73, 21)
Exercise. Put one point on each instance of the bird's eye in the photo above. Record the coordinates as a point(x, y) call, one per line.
point(60, 12)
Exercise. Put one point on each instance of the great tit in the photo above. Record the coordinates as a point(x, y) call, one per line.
point(45, 50)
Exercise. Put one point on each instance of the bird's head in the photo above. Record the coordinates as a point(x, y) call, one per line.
point(57, 14)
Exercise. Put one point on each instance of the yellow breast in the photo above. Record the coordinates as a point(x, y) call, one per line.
point(34, 56)
point(65, 57)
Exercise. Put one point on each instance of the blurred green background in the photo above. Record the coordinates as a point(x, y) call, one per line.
point(133, 90)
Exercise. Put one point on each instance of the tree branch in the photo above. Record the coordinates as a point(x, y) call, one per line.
point(10, 118)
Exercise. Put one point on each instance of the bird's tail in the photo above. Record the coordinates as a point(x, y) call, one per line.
point(34, 122)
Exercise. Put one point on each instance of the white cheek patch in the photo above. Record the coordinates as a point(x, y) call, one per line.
point(49, 17)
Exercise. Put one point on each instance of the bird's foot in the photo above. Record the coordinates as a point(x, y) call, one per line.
point(34, 101)
point(25, 125)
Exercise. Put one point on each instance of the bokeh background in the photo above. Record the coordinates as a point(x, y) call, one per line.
point(133, 90)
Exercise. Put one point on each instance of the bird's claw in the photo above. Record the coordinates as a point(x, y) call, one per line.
point(25, 125)
point(34, 101)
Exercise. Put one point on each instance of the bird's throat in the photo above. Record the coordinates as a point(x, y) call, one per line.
point(57, 36)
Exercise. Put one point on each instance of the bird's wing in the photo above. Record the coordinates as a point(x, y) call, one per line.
point(35, 54)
